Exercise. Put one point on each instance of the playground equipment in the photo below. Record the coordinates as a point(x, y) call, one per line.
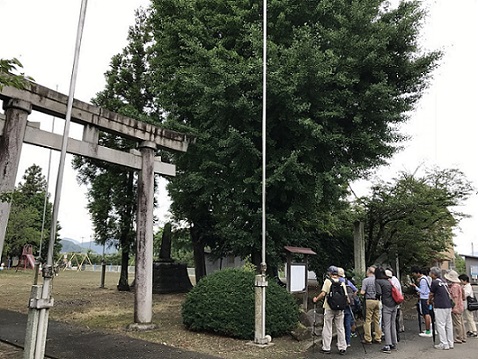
point(73, 261)
point(27, 259)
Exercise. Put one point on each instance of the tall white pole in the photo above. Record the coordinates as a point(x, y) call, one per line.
point(264, 135)
point(264, 162)
point(260, 282)
point(46, 191)
point(46, 301)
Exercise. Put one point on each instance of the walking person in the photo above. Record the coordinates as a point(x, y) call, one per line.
point(457, 295)
point(389, 309)
point(335, 293)
point(423, 290)
point(440, 298)
point(372, 308)
point(467, 315)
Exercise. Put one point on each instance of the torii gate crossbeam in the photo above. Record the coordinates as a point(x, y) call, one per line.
point(16, 130)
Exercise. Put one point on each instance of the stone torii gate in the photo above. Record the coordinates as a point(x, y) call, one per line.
point(15, 129)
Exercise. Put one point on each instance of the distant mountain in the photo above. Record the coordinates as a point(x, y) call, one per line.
point(72, 245)
point(68, 246)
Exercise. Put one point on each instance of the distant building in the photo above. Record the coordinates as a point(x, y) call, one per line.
point(471, 263)
point(448, 261)
point(213, 264)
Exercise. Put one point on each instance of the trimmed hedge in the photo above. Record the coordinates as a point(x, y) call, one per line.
point(223, 303)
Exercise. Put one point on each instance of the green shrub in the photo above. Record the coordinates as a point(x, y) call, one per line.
point(223, 303)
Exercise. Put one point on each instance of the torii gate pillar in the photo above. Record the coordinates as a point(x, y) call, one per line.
point(16, 114)
point(144, 239)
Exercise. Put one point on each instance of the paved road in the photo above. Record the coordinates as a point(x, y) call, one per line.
point(411, 346)
point(71, 342)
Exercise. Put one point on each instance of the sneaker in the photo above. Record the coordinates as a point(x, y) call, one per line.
point(366, 342)
point(393, 347)
point(348, 345)
point(469, 334)
point(323, 351)
point(386, 349)
point(342, 352)
point(353, 335)
point(426, 335)
point(441, 347)
point(473, 335)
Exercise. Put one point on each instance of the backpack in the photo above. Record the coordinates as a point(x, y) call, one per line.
point(336, 298)
point(350, 293)
point(396, 295)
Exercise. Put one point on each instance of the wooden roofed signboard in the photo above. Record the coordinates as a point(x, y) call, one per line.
point(297, 273)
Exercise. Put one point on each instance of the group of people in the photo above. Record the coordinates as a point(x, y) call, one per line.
point(381, 309)
point(445, 301)
point(442, 302)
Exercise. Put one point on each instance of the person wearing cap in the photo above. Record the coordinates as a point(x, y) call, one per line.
point(467, 315)
point(389, 309)
point(440, 298)
point(331, 316)
point(457, 295)
point(396, 283)
point(372, 308)
point(348, 315)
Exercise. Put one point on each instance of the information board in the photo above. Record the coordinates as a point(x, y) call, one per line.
point(297, 277)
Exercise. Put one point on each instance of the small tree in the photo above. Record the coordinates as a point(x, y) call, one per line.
point(26, 216)
point(413, 217)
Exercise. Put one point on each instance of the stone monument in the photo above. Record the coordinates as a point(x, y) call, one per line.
point(169, 276)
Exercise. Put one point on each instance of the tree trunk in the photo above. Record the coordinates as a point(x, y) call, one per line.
point(123, 285)
point(127, 235)
point(199, 257)
point(256, 258)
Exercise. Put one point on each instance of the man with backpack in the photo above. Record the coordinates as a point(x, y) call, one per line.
point(336, 301)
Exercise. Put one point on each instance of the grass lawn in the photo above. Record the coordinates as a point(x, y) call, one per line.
point(78, 299)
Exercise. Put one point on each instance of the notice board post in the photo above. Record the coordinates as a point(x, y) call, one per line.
point(297, 273)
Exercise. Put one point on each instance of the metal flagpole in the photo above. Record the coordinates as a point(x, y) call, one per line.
point(46, 192)
point(260, 282)
point(44, 302)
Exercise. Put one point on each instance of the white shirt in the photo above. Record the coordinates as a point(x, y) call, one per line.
point(468, 290)
point(396, 283)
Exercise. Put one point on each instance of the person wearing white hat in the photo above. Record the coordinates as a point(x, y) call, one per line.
point(457, 295)
point(396, 283)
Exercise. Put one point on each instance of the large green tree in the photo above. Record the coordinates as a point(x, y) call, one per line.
point(112, 188)
point(341, 75)
point(413, 217)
